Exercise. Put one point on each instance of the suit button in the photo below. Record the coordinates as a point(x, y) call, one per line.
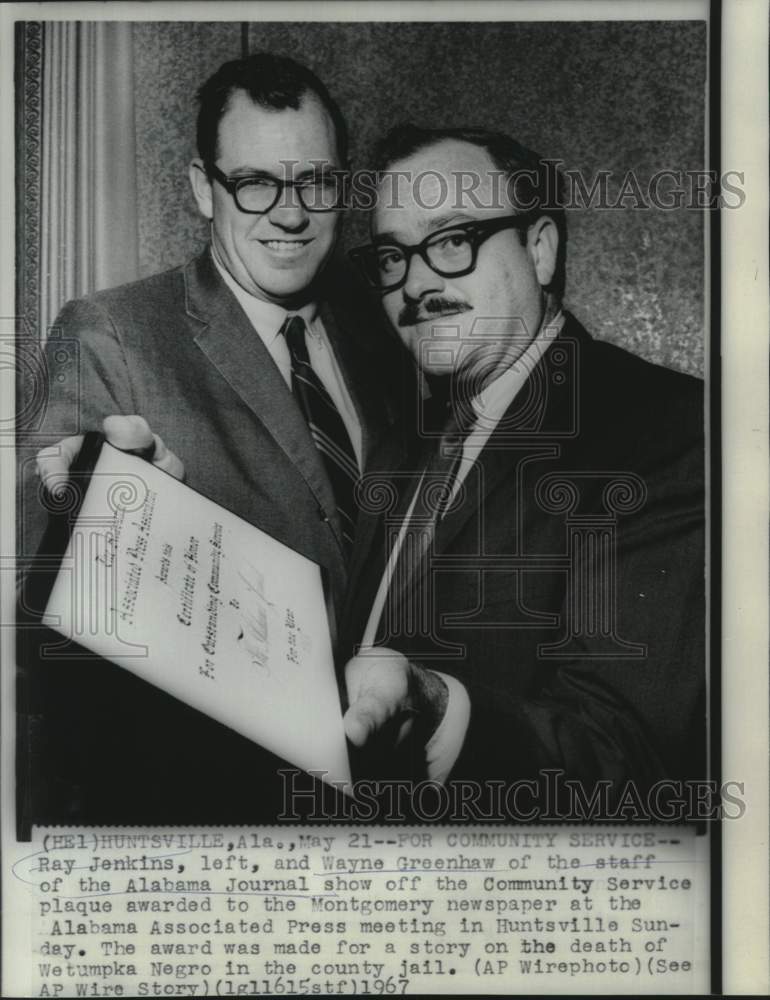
point(322, 515)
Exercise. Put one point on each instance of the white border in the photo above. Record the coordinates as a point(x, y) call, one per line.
point(366, 10)
point(746, 347)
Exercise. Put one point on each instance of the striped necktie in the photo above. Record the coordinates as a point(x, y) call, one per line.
point(326, 427)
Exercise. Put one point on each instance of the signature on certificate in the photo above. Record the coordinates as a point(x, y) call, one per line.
point(256, 612)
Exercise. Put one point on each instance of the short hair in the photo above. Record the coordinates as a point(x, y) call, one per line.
point(538, 185)
point(270, 80)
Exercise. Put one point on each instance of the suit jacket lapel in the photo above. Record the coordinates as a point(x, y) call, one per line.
point(228, 340)
point(373, 381)
point(546, 428)
point(341, 337)
point(374, 487)
point(544, 432)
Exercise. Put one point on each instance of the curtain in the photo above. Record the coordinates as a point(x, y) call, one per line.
point(88, 233)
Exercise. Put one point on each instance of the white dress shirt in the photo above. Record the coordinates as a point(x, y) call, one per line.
point(444, 746)
point(268, 319)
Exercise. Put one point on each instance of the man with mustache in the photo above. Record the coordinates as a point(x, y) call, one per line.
point(262, 375)
point(528, 594)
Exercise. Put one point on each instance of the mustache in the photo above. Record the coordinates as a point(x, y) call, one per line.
point(414, 312)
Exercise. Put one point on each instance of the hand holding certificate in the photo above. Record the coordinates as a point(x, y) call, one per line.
point(191, 598)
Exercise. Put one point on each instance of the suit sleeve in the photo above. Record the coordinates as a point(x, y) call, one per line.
point(636, 714)
point(80, 377)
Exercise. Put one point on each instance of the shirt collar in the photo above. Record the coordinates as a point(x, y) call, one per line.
point(267, 318)
point(509, 382)
point(496, 397)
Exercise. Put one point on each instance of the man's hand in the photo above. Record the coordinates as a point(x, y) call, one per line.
point(389, 696)
point(127, 433)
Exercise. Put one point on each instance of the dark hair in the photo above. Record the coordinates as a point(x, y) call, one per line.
point(535, 187)
point(271, 81)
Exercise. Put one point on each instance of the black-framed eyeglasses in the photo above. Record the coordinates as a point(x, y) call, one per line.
point(450, 252)
point(257, 194)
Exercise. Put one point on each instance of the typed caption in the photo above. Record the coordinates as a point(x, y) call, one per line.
point(388, 911)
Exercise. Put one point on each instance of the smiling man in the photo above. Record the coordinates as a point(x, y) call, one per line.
point(268, 181)
point(207, 353)
point(528, 592)
point(250, 366)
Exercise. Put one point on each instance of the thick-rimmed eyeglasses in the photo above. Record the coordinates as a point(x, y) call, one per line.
point(450, 252)
point(257, 194)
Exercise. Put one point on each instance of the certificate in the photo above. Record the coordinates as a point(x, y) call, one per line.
point(164, 582)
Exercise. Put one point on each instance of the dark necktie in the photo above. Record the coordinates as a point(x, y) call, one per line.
point(431, 500)
point(326, 427)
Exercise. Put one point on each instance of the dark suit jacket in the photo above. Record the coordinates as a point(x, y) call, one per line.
point(566, 591)
point(178, 349)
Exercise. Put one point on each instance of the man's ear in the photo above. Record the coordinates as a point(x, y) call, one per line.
point(543, 246)
point(201, 188)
